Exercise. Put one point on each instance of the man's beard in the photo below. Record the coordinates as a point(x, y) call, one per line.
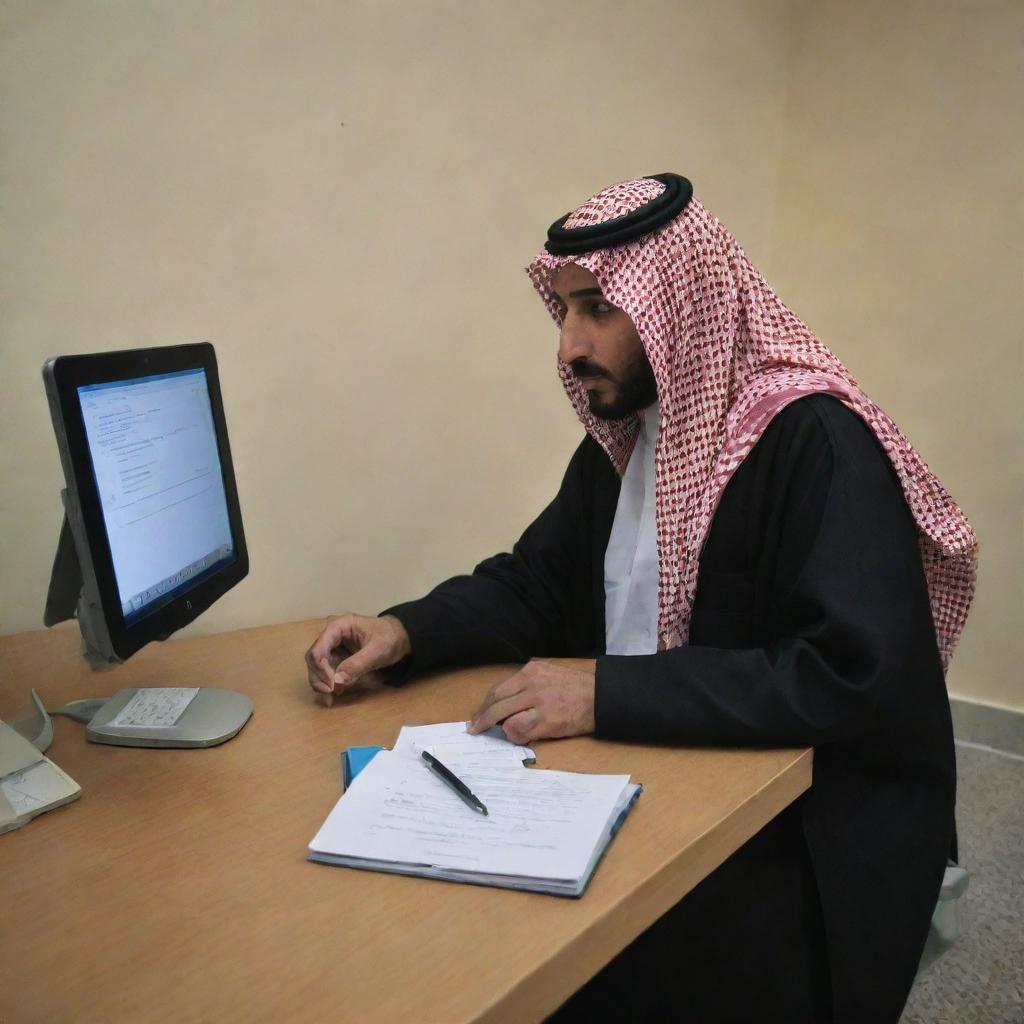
point(635, 390)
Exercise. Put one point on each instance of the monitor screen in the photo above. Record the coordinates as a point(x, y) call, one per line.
point(154, 458)
point(153, 528)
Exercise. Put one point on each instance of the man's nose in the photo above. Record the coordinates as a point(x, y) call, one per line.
point(573, 342)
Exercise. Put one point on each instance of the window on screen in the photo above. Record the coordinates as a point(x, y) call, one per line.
point(158, 474)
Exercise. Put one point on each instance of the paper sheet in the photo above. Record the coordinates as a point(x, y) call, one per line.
point(154, 707)
point(30, 783)
point(34, 787)
point(459, 750)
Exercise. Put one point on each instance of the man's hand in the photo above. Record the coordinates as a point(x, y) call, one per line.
point(544, 699)
point(353, 647)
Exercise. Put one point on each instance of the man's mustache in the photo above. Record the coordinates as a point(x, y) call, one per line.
point(583, 369)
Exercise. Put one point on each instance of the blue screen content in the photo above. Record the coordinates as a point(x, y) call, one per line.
point(157, 469)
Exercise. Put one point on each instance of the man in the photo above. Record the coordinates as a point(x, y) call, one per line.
point(744, 551)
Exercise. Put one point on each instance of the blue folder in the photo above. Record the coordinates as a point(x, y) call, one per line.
point(354, 760)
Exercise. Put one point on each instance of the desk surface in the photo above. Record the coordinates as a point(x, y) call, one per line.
point(177, 887)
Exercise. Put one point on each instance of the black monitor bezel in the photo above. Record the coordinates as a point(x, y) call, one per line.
point(68, 374)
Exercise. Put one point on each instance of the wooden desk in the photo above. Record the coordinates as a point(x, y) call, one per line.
point(177, 887)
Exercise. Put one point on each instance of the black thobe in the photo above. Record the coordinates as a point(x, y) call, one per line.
point(811, 627)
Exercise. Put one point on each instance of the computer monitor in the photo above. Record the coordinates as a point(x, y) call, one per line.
point(152, 532)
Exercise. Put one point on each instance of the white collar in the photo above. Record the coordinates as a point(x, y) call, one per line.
point(650, 419)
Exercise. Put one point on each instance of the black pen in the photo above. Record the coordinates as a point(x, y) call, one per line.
point(456, 784)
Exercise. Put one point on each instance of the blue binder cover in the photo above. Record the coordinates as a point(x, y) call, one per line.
point(354, 760)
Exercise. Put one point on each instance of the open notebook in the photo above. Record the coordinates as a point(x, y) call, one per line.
point(546, 830)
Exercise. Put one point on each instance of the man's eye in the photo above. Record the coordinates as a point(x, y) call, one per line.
point(600, 308)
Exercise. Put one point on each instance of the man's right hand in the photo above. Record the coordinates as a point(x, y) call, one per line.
point(353, 647)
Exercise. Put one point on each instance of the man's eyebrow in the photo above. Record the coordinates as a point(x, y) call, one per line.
point(578, 294)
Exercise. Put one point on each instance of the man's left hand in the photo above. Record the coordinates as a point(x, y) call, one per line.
point(543, 700)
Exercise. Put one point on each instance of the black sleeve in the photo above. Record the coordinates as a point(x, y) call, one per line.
point(836, 601)
point(514, 606)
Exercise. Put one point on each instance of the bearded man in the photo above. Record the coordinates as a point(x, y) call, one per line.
point(745, 550)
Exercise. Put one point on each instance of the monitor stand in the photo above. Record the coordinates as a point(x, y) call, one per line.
point(136, 716)
point(66, 597)
point(65, 577)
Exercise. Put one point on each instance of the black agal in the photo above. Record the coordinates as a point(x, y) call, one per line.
point(643, 220)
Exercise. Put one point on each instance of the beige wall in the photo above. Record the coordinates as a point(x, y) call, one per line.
point(899, 239)
point(342, 196)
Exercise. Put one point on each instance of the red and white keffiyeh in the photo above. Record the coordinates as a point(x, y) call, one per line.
point(727, 356)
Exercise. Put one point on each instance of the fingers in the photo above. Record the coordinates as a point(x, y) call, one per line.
point(350, 647)
point(318, 678)
point(506, 698)
point(543, 700)
point(318, 655)
point(488, 717)
point(341, 631)
point(367, 659)
point(523, 727)
point(376, 643)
